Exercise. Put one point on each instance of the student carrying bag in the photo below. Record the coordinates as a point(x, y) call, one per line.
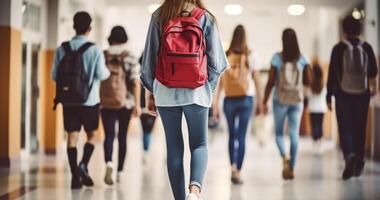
point(113, 91)
point(235, 78)
point(72, 86)
point(289, 85)
point(354, 78)
point(182, 61)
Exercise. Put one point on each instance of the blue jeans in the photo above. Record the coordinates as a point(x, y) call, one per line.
point(147, 122)
point(293, 115)
point(238, 113)
point(197, 119)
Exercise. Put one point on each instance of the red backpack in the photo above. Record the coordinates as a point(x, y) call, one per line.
point(182, 59)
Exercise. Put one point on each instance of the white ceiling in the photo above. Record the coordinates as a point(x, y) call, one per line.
point(261, 3)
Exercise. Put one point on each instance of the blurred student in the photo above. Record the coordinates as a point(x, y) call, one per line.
point(147, 122)
point(78, 69)
point(289, 72)
point(182, 68)
point(120, 99)
point(240, 85)
point(317, 105)
point(352, 80)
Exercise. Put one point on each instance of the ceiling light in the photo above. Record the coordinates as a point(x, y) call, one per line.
point(153, 7)
point(356, 14)
point(233, 9)
point(296, 9)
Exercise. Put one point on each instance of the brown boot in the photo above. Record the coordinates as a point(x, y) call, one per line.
point(287, 171)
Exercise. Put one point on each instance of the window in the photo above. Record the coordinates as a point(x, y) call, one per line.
point(31, 17)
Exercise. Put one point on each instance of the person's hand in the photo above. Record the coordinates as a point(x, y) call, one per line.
point(215, 112)
point(329, 106)
point(136, 112)
point(259, 109)
point(151, 105)
point(264, 108)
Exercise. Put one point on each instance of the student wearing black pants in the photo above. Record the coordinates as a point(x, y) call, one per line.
point(317, 105)
point(120, 99)
point(352, 107)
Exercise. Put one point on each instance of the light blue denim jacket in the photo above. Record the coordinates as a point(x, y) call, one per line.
point(216, 64)
point(94, 64)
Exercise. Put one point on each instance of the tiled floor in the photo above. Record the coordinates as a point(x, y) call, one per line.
point(317, 176)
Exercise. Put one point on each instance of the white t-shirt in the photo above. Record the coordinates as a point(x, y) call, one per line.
point(317, 102)
point(253, 61)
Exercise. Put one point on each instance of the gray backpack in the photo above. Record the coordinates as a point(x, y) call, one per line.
point(354, 78)
point(289, 85)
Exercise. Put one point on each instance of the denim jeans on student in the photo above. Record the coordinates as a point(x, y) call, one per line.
point(293, 115)
point(238, 111)
point(196, 118)
point(147, 122)
point(351, 113)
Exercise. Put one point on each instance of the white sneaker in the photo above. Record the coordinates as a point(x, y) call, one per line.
point(145, 158)
point(108, 177)
point(120, 177)
point(192, 196)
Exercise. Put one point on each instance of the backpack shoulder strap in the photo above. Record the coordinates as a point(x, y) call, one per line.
point(198, 13)
point(347, 43)
point(85, 46)
point(124, 54)
point(66, 46)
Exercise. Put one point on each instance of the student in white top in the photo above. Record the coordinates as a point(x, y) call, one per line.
point(317, 105)
point(241, 89)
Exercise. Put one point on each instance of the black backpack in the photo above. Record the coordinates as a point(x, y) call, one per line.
point(72, 84)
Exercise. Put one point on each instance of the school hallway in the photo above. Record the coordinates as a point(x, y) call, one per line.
point(317, 176)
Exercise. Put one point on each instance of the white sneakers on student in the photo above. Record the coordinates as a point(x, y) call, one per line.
point(192, 196)
point(108, 177)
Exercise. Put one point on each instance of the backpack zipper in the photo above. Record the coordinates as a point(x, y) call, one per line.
point(184, 54)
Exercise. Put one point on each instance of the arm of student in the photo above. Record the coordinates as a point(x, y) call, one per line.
point(215, 104)
point(101, 71)
point(256, 80)
point(150, 57)
point(137, 96)
point(372, 71)
point(268, 88)
point(332, 78)
point(216, 57)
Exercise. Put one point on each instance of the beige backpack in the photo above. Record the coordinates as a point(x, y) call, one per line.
point(235, 79)
point(289, 85)
point(113, 91)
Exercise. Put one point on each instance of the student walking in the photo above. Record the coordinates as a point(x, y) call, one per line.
point(317, 105)
point(352, 80)
point(288, 74)
point(78, 69)
point(120, 98)
point(239, 83)
point(147, 122)
point(182, 62)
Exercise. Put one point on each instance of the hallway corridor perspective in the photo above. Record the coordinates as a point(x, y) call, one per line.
point(317, 176)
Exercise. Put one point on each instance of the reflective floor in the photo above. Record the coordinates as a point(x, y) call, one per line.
point(317, 176)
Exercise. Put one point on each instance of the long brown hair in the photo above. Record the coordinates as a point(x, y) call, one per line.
point(317, 79)
point(239, 41)
point(291, 51)
point(172, 8)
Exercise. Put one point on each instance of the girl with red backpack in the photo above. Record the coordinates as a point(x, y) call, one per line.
point(182, 63)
